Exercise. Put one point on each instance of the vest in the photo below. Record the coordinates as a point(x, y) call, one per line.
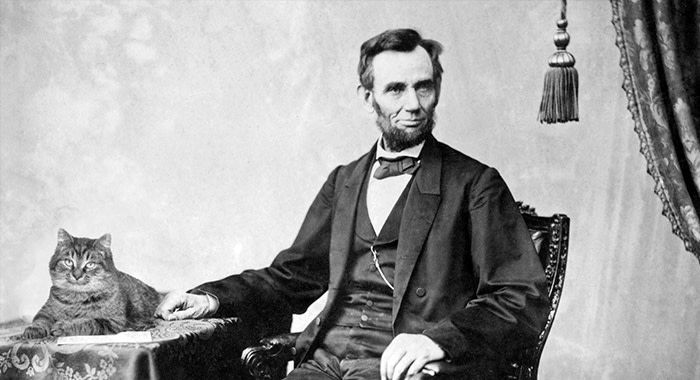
point(360, 325)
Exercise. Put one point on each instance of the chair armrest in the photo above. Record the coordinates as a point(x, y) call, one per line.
point(269, 359)
point(486, 369)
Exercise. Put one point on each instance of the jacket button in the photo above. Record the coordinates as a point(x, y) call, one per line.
point(318, 321)
point(420, 292)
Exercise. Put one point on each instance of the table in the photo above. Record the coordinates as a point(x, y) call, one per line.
point(188, 349)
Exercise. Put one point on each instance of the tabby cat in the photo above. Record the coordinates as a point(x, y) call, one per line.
point(89, 295)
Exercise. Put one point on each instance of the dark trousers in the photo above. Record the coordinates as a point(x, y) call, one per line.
point(346, 352)
point(354, 353)
point(326, 366)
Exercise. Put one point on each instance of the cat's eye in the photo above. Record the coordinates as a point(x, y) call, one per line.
point(89, 265)
point(68, 262)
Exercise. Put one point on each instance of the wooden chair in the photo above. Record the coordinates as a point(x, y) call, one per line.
point(550, 235)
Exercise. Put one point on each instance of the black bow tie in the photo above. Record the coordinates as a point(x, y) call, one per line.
point(389, 167)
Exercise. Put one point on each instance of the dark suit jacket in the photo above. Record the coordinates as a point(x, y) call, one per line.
point(466, 275)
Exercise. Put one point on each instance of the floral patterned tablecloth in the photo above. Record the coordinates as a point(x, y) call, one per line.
point(189, 349)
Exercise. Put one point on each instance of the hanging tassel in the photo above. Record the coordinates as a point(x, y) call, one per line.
point(560, 95)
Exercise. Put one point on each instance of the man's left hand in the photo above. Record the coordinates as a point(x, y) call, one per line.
point(407, 354)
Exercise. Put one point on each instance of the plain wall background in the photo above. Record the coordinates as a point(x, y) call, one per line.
point(198, 133)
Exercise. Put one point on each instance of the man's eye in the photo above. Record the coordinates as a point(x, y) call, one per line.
point(394, 91)
point(68, 263)
point(427, 90)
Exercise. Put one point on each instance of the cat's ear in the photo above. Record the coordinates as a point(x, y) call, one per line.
point(64, 237)
point(105, 240)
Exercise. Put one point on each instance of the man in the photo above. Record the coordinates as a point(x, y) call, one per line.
point(422, 249)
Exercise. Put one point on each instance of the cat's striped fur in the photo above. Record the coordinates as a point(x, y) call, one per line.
point(89, 296)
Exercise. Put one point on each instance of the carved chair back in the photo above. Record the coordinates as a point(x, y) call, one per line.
point(550, 234)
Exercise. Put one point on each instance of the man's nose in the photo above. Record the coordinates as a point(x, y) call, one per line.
point(411, 102)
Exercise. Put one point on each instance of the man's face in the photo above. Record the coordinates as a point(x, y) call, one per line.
point(404, 97)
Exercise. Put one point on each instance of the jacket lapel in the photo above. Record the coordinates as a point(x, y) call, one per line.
point(343, 228)
point(419, 213)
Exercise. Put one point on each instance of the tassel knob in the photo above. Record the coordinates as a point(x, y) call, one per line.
point(561, 58)
point(561, 37)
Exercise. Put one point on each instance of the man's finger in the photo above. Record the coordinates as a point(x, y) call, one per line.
point(401, 367)
point(383, 362)
point(416, 366)
point(162, 314)
point(183, 314)
point(170, 303)
point(382, 365)
point(392, 359)
point(390, 356)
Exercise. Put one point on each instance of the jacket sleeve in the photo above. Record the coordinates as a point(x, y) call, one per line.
point(295, 279)
point(511, 304)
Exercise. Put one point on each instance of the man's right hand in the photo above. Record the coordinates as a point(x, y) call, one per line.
point(180, 305)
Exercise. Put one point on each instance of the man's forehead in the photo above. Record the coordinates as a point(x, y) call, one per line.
point(398, 66)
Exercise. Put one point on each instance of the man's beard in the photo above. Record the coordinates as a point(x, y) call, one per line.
point(396, 139)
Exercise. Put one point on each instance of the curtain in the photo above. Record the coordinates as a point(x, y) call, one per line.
point(659, 42)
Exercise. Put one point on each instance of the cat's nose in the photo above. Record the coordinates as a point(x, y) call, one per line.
point(77, 273)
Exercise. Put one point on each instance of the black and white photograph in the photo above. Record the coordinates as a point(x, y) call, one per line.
point(350, 190)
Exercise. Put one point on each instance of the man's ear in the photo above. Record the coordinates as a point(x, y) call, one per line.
point(366, 97)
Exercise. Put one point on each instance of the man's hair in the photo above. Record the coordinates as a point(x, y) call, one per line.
point(404, 40)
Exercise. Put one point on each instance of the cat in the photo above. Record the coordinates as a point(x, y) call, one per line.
point(89, 296)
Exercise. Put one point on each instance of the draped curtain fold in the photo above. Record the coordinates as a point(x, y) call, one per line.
point(659, 42)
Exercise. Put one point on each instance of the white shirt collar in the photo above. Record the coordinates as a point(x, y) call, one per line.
point(413, 151)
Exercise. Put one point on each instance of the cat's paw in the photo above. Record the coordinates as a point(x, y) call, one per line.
point(60, 329)
point(34, 332)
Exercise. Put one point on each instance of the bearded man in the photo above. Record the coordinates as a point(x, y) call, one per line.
point(422, 249)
